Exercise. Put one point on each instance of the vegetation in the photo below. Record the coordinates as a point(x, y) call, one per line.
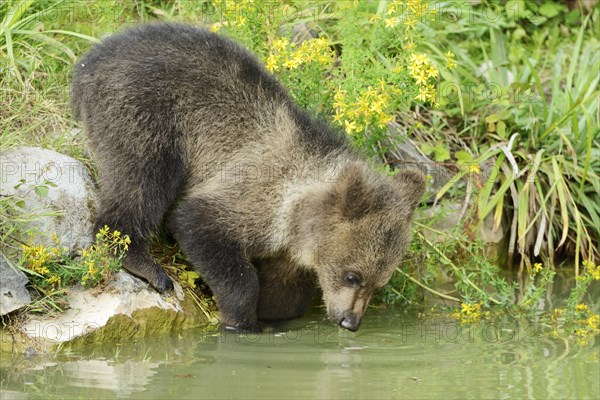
point(51, 267)
point(503, 97)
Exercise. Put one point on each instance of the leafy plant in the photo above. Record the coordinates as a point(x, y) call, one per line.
point(51, 267)
point(540, 119)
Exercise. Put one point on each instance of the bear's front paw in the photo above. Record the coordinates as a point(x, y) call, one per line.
point(162, 283)
point(245, 326)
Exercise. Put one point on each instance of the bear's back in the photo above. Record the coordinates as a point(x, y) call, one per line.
point(186, 88)
point(159, 63)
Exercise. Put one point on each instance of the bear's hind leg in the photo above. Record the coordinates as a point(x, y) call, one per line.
point(284, 293)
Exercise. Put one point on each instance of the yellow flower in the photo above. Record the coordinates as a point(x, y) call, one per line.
point(239, 21)
point(390, 22)
point(432, 72)
point(55, 238)
point(396, 69)
point(292, 63)
point(420, 78)
point(592, 269)
point(415, 6)
point(271, 64)
point(350, 126)
point(384, 120)
point(375, 18)
point(450, 60)
point(469, 313)
point(583, 307)
point(557, 313)
point(537, 267)
point(593, 322)
point(410, 23)
point(281, 43)
point(216, 26)
point(338, 117)
point(53, 280)
point(423, 94)
point(414, 69)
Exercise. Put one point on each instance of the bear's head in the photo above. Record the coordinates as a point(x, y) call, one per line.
point(356, 230)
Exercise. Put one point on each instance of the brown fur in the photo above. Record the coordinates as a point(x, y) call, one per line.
point(264, 200)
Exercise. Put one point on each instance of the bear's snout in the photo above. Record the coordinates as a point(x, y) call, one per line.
point(350, 321)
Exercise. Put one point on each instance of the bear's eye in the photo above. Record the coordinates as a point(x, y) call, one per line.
point(353, 279)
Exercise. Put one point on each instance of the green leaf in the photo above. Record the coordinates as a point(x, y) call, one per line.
point(189, 277)
point(515, 9)
point(573, 17)
point(441, 153)
point(549, 10)
point(463, 157)
point(18, 185)
point(519, 33)
point(537, 20)
point(501, 129)
point(426, 148)
point(561, 189)
point(490, 119)
point(41, 191)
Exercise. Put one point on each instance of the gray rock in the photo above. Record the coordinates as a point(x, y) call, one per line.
point(126, 308)
point(56, 188)
point(438, 175)
point(301, 32)
point(13, 294)
point(410, 157)
point(446, 218)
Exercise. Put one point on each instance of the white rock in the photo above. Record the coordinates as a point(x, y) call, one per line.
point(124, 295)
point(68, 209)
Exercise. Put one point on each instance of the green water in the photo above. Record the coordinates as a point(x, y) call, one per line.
point(393, 355)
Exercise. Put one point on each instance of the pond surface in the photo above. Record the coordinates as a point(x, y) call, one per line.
point(393, 355)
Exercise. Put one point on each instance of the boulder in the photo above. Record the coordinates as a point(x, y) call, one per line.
point(13, 294)
point(56, 189)
point(127, 308)
point(409, 157)
point(301, 32)
point(446, 218)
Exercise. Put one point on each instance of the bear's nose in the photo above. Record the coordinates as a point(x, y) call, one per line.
point(350, 321)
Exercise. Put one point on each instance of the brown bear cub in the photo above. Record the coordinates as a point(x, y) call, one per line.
point(192, 133)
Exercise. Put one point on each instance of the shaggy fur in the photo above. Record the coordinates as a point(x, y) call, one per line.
point(190, 129)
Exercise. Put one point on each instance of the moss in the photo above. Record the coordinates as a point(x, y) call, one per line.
point(13, 342)
point(143, 323)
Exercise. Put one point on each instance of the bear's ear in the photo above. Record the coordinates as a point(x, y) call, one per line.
point(352, 191)
point(411, 184)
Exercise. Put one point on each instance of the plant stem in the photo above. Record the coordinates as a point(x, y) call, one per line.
point(442, 295)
